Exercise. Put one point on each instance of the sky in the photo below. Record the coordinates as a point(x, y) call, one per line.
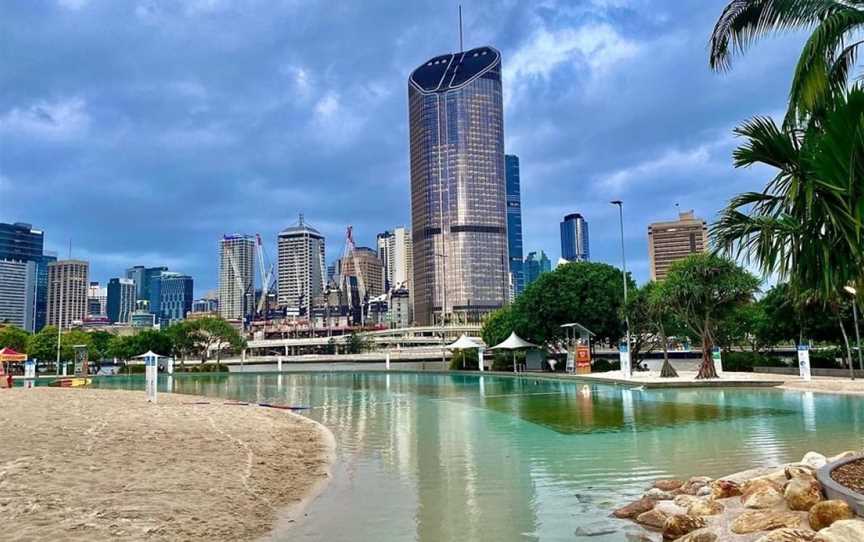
point(144, 130)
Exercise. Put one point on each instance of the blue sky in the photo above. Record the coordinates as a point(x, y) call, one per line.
point(143, 130)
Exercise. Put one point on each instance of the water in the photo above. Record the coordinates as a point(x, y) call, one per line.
point(459, 457)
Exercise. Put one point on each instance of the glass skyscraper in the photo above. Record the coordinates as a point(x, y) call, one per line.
point(21, 243)
point(458, 202)
point(574, 239)
point(536, 265)
point(514, 222)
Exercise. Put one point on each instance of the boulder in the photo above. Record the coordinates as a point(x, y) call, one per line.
point(659, 494)
point(763, 482)
point(815, 460)
point(824, 513)
point(701, 535)
point(845, 530)
point(764, 520)
point(797, 471)
point(723, 489)
point(652, 518)
point(694, 484)
point(668, 485)
point(677, 526)
point(705, 507)
point(802, 493)
point(762, 497)
point(704, 491)
point(633, 509)
point(684, 501)
point(670, 508)
point(788, 535)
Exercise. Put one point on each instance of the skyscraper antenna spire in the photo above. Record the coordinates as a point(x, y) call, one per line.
point(461, 48)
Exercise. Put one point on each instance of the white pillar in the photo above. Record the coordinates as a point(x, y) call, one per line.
point(169, 366)
point(717, 356)
point(480, 359)
point(804, 361)
point(624, 356)
point(387, 361)
point(151, 370)
point(279, 364)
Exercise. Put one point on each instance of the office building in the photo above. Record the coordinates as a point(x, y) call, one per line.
point(97, 301)
point(371, 273)
point(236, 276)
point(669, 242)
point(21, 242)
point(144, 279)
point(68, 281)
point(399, 308)
point(396, 254)
point(458, 208)
point(302, 270)
point(18, 293)
point(574, 239)
point(121, 300)
point(175, 298)
point(205, 305)
point(514, 223)
point(535, 265)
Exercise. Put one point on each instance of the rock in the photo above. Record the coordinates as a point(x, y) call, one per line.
point(723, 489)
point(842, 455)
point(638, 537)
point(684, 501)
point(670, 508)
point(815, 460)
point(705, 507)
point(764, 520)
point(679, 525)
point(797, 471)
point(788, 535)
point(762, 497)
point(845, 530)
point(824, 513)
point(694, 484)
point(702, 535)
point(652, 518)
point(659, 494)
point(668, 485)
point(633, 509)
point(703, 491)
point(802, 493)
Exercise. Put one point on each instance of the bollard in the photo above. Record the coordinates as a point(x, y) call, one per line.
point(387, 361)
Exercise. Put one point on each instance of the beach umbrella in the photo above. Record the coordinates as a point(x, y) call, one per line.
point(513, 343)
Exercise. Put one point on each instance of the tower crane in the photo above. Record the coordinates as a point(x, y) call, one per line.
point(350, 252)
point(267, 277)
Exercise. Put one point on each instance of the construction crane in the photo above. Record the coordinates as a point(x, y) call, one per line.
point(350, 252)
point(267, 278)
point(241, 286)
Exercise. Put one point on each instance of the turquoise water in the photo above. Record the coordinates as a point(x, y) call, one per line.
point(459, 457)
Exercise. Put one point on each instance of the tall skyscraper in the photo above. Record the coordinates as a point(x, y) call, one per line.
point(458, 211)
point(144, 278)
point(236, 276)
point(514, 222)
point(175, 297)
point(371, 270)
point(669, 242)
point(301, 266)
point(535, 265)
point(68, 281)
point(574, 239)
point(97, 300)
point(396, 253)
point(22, 243)
point(121, 300)
point(18, 293)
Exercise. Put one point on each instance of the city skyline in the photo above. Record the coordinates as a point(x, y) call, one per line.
point(579, 146)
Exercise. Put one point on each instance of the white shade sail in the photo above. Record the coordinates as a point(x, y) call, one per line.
point(514, 342)
point(150, 353)
point(466, 342)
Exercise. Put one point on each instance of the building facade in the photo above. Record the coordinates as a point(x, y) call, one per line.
point(458, 208)
point(371, 271)
point(236, 276)
point(514, 223)
point(574, 238)
point(669, 242)
point(396, 254)
point(535, 265)
point(205, 305)
point(121, 300)
point(145, 278)
point(175, 297)
point(18, 293)
point(301, 266)
point(97, 301)
point(68, 281)
point(21, 242)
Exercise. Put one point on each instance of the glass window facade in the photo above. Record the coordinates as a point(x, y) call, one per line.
point(514, 222)
point(574, 239)
point(458, 201)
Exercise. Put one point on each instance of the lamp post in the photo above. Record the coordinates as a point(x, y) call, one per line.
point(620, 205)
point(59, 323)
point(854, 293)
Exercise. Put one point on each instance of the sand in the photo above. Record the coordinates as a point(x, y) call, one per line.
point(86, 464)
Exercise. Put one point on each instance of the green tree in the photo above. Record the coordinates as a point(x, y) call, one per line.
point(356, 343)
point(101, 341)
point(702, 289)
point(743, 326)
point(827, 61)
point(43, 345)
point(215, 333)
point(643, 327)
point(498, 326)
point(14, 338)
point(661, 316)
point(184, 337)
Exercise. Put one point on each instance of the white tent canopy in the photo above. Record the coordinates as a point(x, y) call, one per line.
point(465, 342)
point(514, 342)
point(150, 354)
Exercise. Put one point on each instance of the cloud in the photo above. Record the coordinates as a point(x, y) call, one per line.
point(73, 4)
point(59, 119)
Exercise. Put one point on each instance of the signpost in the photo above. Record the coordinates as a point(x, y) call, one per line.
point(583, 359)
point(480, 359)
point(717, 356)
point(804, 361)
point(151, 370)
point(624, 354)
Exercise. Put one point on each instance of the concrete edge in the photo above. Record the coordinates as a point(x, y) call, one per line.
point(834, 490)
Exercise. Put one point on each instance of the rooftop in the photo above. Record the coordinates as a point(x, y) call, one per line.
point(454, 70)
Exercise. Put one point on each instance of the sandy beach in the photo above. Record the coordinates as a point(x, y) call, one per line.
point(86, 464)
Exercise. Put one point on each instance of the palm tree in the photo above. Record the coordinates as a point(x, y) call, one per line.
point(827, 60)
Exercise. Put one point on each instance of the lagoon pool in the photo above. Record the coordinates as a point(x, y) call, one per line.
point(436, 457)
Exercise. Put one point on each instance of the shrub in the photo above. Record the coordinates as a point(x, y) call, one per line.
point(465, 360)
point(602, 365)
point(827, 358)
point(743, 362)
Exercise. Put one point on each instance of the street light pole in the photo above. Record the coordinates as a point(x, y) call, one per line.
point(59, 324)
point(854, 293)
point(620, 205)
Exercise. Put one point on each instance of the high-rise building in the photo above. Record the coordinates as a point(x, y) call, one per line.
point(145, 278)
point(535, 265)
point(121, 300)
point(21, 242)
point(371, 271)
point(97, 301)
point(205, 305)
point(458, 210)
point(514, 222)
point(669, 242)
point(396, 254)
point(236, 276)
point(18, 293)
point(574, 239)
point(68, 281)
point(175, 297)
point(301, 266)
